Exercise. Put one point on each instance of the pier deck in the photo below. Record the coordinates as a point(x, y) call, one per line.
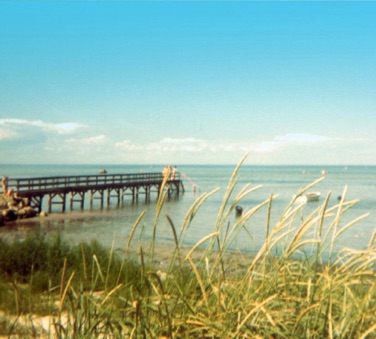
point(56, 189)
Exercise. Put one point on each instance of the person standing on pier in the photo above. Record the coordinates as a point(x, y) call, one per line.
point(4, 184)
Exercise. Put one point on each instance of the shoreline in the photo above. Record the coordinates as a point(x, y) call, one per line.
point(56, 216)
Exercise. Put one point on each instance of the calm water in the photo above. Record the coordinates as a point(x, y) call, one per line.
point(114, 223)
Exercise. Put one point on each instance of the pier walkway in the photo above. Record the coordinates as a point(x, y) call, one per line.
point(56, 189)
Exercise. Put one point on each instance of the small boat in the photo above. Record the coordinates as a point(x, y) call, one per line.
point(313, 196)
point(103, 171)
point(307, 197)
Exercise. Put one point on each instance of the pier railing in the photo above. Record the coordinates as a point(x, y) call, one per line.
point(20, 185)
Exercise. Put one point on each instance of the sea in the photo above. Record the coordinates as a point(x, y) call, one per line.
point(112, 225)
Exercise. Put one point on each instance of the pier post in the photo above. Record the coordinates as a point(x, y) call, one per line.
point(49, 203)
point(108, 196)
point(121, 192)
point(92, 196)
point(81, 200)
point(117, 195)
point(101, 192)
point(51, 196)
point(147, 193)
point(136, 193)
point(36, 202)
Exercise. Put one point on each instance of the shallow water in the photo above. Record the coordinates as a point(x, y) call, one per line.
point(112, 225)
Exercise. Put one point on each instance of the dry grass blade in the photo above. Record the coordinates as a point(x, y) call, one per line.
point(337, 221)
point(63, 278)
point(267, 227)
point(331, 229)
point(301, 315)
point(130, 237)
point(108, 295)
point(323, 213)
point(62, 298)
point(163, 191)
point(192, 212)
point(266, 249)
point(288, 215)
point(162, 297)
point(242, 220)
point(351, 223)
point(209, 236)
point(303, 190)
point(177, 248)
point(295, 243)
point(255, 309)
point(230, 188)
point(294, 248)
point(109, 265)
point(372, 240)
point(84, 260)
point(200, 281)
point(170, 222)
point(98, 267)
point(245, 192)
point(365, 334)
point(135, 225)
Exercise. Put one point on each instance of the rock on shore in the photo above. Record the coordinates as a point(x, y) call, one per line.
point(13, 208)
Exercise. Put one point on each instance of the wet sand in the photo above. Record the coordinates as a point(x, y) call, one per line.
point(51, 217)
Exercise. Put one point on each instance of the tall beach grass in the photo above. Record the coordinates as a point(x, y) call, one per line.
point(210, 290)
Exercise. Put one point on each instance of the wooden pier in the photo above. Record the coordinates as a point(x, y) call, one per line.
point(102, 187)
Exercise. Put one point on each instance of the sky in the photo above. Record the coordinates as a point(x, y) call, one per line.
point(188, 82)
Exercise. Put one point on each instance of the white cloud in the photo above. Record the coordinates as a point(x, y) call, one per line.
point(178, 145)
point(166, 145)
point(96, 140)
point(13, 121)
point(129, 146)
point(300, 138)
point(192, 145)
point(50, 142)
point(180, 141)
point(6, 134)
point(289, 140)
point(65, 128)
point(226, 147)
point(18, 127)
point(266, 147)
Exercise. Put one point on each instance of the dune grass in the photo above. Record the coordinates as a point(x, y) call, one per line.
point(206, 291)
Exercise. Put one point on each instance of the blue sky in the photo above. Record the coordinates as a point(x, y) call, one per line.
point(118, 82)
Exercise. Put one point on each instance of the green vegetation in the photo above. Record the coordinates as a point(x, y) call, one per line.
point(207, 291)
